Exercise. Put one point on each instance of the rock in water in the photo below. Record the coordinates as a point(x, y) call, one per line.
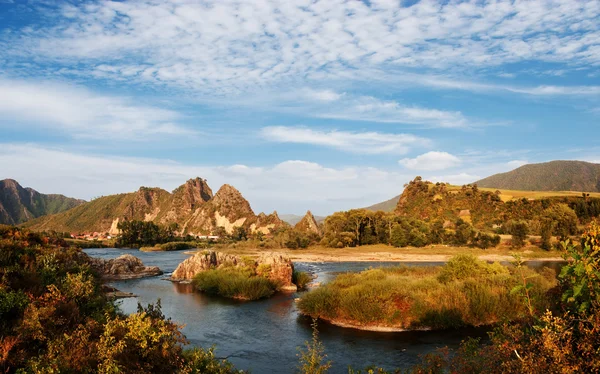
point(276, 267)
point(123, 267)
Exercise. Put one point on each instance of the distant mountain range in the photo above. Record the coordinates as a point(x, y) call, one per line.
point(18, 204)
point(192, 206)
point(548, 176)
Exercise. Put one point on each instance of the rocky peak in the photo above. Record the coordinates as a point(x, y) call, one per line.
point(193, 193)
point(308, 223)
point(10, 184)
point(229, 202)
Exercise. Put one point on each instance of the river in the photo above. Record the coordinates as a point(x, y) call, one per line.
point(263, 336)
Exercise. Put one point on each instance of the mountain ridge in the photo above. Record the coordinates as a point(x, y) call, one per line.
point(559, 175)
point(19, 204)
point(192, 206)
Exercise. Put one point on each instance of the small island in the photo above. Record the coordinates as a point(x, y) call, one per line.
point(464, 292)
point(242, 278)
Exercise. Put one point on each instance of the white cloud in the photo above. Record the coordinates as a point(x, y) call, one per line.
point(431, 161)
point(81, 113)
point(289, 187)
point(325, 95)
point(220, 46)
point(356, 142)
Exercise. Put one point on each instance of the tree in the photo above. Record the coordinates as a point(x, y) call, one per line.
point(519, 231)
point(564, 220)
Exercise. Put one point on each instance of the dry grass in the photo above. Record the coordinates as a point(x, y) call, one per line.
point(507, 195)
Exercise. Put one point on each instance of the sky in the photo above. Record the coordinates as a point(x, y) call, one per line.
point(299, 104)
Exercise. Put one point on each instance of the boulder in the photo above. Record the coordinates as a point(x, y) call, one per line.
point(200, 262)
point(123, 267)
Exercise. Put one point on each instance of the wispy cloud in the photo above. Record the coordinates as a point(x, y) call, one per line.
point(81, 113)
point(356, 142)
point(221, 46)
point(368, 108)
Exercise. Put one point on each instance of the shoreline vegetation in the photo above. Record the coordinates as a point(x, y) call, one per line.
point(464, 292)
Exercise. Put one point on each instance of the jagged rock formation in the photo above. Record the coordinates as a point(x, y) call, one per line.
point(308, 224)
point(123, 267)
point(280, 268)
point(192, 206)
point(18, 204)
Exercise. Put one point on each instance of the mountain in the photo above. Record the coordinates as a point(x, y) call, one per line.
point(293, 219)
point(548, 176)
point(192, 206)
point(385, 206)
point(18, 204)
point(308, 224)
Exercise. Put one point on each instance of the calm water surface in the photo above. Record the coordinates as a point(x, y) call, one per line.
point(263, 336)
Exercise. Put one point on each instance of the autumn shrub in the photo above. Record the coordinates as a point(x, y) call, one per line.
point(54, 318)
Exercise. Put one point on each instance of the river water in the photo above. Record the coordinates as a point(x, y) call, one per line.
point(264, 336)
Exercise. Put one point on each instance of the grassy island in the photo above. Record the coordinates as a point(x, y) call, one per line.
point(464, 292)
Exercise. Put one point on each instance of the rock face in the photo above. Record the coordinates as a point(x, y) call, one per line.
point(18, 204)
point(308, 224)
point(201, 262)
point(123, 267)
point(192, 206)
point(276, 267)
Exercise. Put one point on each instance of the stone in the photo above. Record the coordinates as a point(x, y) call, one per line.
point(123, 267)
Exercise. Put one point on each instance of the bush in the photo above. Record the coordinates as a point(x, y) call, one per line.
point(301, 279)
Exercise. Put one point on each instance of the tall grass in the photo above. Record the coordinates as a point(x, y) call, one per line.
point(301, 279)
point(464, 292)
point(234, 283)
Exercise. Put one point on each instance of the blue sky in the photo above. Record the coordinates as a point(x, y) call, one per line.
point(320, 105)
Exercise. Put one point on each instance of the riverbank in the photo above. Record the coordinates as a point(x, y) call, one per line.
point(384, 253)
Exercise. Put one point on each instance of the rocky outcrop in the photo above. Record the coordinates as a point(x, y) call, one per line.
point(192, 206)
point(123, 267)
point(200, 262)
point(281, 270)
point(274, 266)
point(308, 224)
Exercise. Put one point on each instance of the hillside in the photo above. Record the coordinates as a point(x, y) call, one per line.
point(18, 204)
point(486, 207)
point(385, 206)
point(549, 176)
point(192, 206)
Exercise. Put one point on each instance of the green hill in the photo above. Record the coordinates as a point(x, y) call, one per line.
point(548, 176)
point(18, 204)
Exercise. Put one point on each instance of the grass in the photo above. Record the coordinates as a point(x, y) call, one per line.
point(171, 246)
point(465, 292)
point(235, 283)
